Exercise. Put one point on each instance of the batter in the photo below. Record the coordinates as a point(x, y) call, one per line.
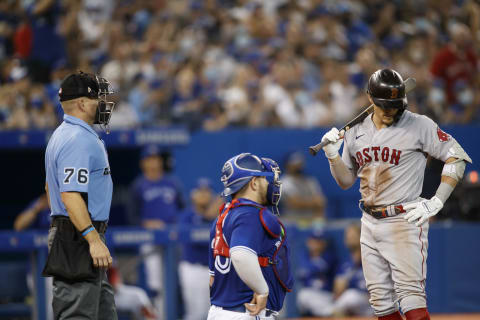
point(388, 153)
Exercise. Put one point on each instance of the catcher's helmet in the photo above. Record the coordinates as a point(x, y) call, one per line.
point(239, 170)
point(387, 89)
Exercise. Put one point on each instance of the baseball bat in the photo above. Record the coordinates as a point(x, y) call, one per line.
point(410, 84)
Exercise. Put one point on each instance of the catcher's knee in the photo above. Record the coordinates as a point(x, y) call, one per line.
point(418, 314)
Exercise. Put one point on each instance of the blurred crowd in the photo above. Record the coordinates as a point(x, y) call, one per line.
point(211, 64)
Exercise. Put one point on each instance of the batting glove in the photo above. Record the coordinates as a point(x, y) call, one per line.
point(335, 138)
point(419, 212)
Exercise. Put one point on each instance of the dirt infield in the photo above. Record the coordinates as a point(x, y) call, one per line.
point(469, 316)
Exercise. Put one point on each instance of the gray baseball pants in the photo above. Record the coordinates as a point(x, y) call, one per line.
point(83, 300)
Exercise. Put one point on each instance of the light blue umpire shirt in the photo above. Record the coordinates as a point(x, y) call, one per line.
point(76, 160)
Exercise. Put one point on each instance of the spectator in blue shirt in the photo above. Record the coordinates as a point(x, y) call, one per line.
point(158, 195)
point(48, 45)
point(316, 271)
point(350, 290)
point(158, 201)
point(193, 269)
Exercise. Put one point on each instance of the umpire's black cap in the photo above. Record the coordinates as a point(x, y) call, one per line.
point(78, 85)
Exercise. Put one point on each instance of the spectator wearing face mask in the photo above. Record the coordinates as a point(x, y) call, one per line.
point(42, 113)
point(456, 61)
point(302, 199)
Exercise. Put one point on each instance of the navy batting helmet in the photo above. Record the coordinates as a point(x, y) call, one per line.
point(387, 89)
point(239, 170)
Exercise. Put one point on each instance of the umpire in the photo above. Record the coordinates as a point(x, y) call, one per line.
point(79, 188)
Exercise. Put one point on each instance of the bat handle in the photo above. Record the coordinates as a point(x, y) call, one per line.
point(314, 149)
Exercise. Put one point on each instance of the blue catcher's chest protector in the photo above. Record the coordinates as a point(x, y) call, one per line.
point(280, 260)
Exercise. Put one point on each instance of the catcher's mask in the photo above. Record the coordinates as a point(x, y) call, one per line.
point(93, 87)
point(239, 170)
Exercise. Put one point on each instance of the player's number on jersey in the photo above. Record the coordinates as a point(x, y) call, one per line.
point(82, 175)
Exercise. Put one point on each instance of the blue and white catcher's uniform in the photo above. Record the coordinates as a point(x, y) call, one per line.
point(249, 226)
point(246, 225)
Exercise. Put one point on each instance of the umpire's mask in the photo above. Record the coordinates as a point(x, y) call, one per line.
point(91, 86)
point(105, 107)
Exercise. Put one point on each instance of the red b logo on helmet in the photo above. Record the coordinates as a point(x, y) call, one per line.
point(394, 93)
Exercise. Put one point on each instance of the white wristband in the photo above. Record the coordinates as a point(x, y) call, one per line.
point(443, 192)
point(332, 155)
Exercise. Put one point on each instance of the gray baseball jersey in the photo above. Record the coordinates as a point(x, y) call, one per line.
point(390, 162)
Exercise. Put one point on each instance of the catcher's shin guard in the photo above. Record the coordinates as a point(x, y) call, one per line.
point(392, 316)
point(418, 314)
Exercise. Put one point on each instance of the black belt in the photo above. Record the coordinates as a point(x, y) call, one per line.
point(100, 226)
point(241, 308)
point(382, 212)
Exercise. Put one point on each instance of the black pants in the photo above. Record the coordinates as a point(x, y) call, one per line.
point(89, 299)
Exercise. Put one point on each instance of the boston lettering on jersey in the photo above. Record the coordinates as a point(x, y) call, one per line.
point(378, 153)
